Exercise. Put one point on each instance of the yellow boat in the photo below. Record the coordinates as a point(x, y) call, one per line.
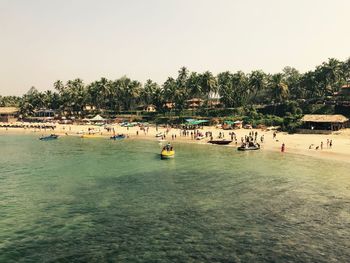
point(167, 152)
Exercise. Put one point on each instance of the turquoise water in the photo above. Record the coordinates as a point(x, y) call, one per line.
point(95, 200)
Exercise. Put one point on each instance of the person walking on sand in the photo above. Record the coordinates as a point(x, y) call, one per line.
point(283, 147)
point(330, 144)
point(321, 145)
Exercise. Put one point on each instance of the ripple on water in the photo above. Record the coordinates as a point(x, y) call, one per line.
point(76, 200)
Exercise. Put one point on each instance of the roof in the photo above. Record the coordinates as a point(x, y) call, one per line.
point(324, 118)
point(195, 122)
point(97, 118)
point(346, 86)
point(8, 110)
point(195, 100)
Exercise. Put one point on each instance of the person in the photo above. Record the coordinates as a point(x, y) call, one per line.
point(283, 147)
point(330, 144)
point(274, 135)
point(321, 145)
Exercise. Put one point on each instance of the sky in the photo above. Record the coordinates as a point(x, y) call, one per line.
point(43, 41)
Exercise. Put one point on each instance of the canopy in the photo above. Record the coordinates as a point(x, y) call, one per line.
point(229, 122)
point(195, 122)
point(97, 118)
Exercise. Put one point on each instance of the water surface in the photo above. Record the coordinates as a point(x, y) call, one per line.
point(95, 200)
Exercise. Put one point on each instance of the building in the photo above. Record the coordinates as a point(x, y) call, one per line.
point(344, 90)
point(8, 114)
point(194, 103)
point(43, 115)
point(313, 123)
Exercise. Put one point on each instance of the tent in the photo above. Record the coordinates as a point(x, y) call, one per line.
point(97, 118)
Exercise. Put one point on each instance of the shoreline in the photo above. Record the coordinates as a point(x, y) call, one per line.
point(295, 143)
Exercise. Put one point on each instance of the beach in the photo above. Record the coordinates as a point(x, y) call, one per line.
point(294, 143)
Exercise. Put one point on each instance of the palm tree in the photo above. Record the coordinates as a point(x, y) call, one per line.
point(148, 92)
point(240, 88)
point(208, 85)
point(194, 85)
point(225, 89)
point(256, 83)
point(278, 87)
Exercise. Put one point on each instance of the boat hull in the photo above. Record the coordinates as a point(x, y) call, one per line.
point(167, 154)
point(248, 149)
point(220, 142)
point(117, 137)
point(48, 138)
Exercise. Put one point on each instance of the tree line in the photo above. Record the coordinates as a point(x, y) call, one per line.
point(233, 89)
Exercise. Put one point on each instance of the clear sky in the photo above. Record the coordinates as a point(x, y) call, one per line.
point(46, 40)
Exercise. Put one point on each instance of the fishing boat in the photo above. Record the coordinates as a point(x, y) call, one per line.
point(49, 137)
point(249, 147)
point(118, 137)
point(220, 141)
point(167, 152)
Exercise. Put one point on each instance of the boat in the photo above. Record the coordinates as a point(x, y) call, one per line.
point(249, 147)
point(200, 137)
point(159, 134)
point(118, 137)
point(167, 152)
point(220, 141)
point(49, 137)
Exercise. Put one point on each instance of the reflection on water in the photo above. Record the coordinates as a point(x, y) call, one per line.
point(77, 200)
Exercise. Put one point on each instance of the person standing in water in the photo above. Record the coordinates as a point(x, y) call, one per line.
point(283, 147)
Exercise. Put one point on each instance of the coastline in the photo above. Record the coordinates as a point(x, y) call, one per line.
point(295, 143)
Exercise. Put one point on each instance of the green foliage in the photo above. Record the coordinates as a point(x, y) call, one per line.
point(276, 94)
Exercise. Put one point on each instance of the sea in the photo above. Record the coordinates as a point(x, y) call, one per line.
point(99, 200)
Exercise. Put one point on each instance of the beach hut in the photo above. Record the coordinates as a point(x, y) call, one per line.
point(316, 123)
point(8, 114)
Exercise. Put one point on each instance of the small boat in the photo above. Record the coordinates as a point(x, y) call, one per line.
point(159, 134)
point(49, 137)
point(200, 137)
point(118, 137)
point(250, 147)
point(167, 152)
point(220, 141)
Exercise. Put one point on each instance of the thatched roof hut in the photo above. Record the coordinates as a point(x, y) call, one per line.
point(324, 122)
point(8, 114)
point(338, 118)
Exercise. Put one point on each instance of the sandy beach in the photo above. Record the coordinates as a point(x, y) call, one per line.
point(295, 143)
